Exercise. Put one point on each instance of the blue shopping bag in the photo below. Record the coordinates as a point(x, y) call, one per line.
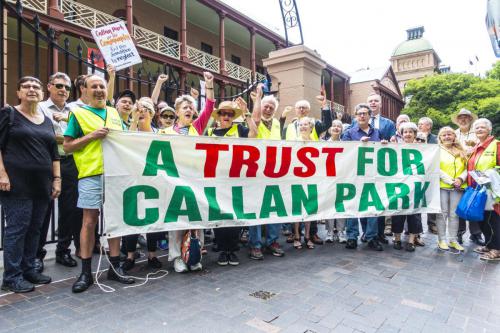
point(472, 203)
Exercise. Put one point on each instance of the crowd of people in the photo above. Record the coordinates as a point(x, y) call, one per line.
point(51, 149)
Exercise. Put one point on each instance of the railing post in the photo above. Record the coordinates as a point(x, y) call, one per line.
point(54, 11)
point(19, 10)
point(2, 69)
point(37, 46)
point(252, 52)
point(130, 27)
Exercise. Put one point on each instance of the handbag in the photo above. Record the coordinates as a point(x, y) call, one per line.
point(191, 248)
point(472, 204)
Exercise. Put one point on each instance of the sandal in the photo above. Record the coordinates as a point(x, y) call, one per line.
point(492, 255)
point(481, 250)
point(297, 244)
point(290, 238)
point(309, 244)
point(418, 242)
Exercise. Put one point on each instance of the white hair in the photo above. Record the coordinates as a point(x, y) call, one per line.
point(309, 120)
point(270, 99)
point(304, 103)
point(184, 98)
point(401, 116)
point(483, 121)
point(427, 120)
point(408, 125)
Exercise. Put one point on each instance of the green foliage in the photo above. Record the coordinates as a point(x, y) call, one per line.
point(494, 73)
point(440, 96)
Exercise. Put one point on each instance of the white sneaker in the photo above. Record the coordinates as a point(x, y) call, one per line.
point(342, 237)
point(180, 266)
point(329, 237)
point(196, 267)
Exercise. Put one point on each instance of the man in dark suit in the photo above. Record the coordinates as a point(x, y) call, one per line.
point(385, 126)
point(387, 129)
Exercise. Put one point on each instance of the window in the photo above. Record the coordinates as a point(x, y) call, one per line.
point(170, 33)
point(235, 60)
point(206, 48)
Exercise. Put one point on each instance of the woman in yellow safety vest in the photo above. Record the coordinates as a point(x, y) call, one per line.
point(185, 110)
point(305, 126)
point(485, 157)
point(453, 173)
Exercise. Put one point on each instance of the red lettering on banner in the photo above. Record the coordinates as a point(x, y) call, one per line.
point(212, 157)
point(310, 169)
point(239, 161)
point(331, 170)
point(271, 156)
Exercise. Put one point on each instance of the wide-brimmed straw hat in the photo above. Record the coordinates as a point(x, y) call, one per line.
point(463, 112)
point(228, 105)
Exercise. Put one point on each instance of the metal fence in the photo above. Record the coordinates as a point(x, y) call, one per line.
point(32, 42)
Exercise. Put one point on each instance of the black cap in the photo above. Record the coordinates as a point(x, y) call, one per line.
point(126, 93)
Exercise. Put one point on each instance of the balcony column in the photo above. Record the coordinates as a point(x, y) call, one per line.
point(252, 52)
point(222, 90)
point(183, 29)
point(346, 96)
point(332, 89)
point(222, 43)
point(53, 10)
point(130, 28)
point(182, 82)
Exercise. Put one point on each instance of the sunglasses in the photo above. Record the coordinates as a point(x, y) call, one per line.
point(223, 114)
point(168, 116)
point(31, 86)
point(61, 86)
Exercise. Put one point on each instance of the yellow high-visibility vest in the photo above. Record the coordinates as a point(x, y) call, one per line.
point(264, 133)
point(89, 160)
point(292, 132)
point(170, 130)
point(488, 158)
point(233, 132)
point(453, 166)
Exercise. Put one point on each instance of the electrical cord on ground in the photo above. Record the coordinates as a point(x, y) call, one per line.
point(108, 289)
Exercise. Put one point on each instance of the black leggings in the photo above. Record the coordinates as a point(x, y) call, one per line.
point(130, 241)
point(227, 238)
point(414, 223)
point(490, 227)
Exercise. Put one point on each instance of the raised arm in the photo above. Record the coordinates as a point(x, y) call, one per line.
point(201, 122)
point(111, 82)
point(257, 104)
point(326, 116)
point(162, 78)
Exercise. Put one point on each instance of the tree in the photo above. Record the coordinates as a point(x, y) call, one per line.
point(441, 96)
point(494, 73)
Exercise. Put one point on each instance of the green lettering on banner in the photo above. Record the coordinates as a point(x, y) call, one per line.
point(382, 153)
point(157, 149)
point(412, 157)
point(272, 194)
point(404, 190)
point(300, 198)
point(363, 160)
point(181, 194)
point(214, 212)
point(343, 196)
point(370, 197)
point(420, 194)
point(130, 211)
point(238, 205)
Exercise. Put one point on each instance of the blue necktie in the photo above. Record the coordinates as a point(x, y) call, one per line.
point(372, 122)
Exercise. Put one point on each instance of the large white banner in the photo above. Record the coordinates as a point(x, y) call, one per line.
point(160, 182)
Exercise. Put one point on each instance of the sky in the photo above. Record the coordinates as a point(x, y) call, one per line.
point(356, 34)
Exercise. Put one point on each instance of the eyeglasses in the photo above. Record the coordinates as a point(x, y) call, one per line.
point(61, 86)
point(362, 114)
point(223, 114)
point(31, 86)
point(168, 116)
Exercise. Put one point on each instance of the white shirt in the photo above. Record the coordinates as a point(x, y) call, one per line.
point(48, 108)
